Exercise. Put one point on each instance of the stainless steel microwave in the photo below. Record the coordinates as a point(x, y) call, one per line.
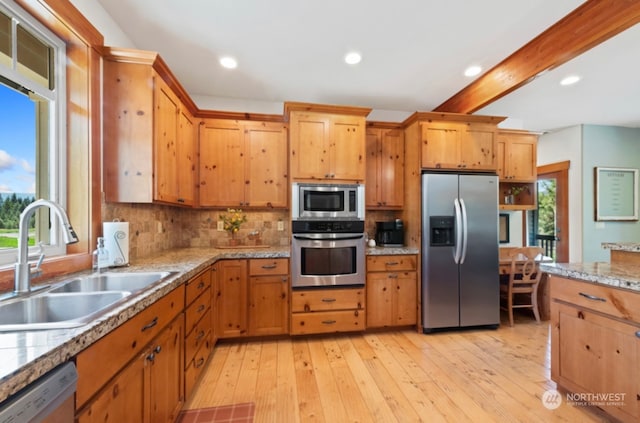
point(327, 201)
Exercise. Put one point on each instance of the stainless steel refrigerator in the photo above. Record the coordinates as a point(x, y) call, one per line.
point(460, 280)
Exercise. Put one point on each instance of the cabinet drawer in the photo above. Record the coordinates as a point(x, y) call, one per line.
point(327, 322)
point(98, 363)
point(616, 302)
point(327, 299)
point(197, 285)
point(391, 263)
point(268, 267)
point(197, 337)
point(196, 310)
point(196, 365)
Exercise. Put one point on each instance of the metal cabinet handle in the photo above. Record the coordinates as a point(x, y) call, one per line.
point(328, 322)
point(200, 335)
point(201, 285)
point(201, 308)
point(593, 297)
point(157, 349)
point(392, 263)
point(328, 300)
point(393, 276)
point(150, 324)
point(269, 266)
point(638, 334)
point(199, 363)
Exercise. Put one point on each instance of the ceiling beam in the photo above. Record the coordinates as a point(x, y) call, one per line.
point(590, 24)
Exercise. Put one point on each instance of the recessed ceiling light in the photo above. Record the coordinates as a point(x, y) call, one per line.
point(570, 80)
point(472, 70)
point(228, 62)
point(353, 58)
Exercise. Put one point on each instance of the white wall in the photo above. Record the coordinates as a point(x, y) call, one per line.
point(95, 13)
point(558, 146)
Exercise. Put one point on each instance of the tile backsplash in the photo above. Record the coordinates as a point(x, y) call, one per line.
point(154, 228)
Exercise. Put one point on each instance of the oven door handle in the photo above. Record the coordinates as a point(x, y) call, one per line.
point(328, 237)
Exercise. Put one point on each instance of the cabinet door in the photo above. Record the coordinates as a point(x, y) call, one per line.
point(347, 148)
point(373, 175)
point(122, 400)
point(266, 179)
point(269, 305)
point(232, 298)
point(165, 133)
point(478, 147)
point(501, 157)
point(392, 169)
point(441, 145)
point(222, 175)
point(309, 158)
point(379, 300)
point(406, 292)
point(166, 368)
point(597, 354)
point(522, 156)
point(186, 162)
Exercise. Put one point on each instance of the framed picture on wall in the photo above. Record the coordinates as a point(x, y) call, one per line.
point(616, 195)
point(503, 236)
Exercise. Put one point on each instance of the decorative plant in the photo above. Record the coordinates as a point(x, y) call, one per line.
point(517, 189)
point(232, 221)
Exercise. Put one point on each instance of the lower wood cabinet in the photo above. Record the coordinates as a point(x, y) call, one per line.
point(391, 290)
point(252, 297)
point(327, 310)
point(198, 339)
point(148, 389)
point(595, 345)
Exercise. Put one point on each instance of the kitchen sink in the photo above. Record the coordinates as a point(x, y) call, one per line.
point(131, 282)
point(74, 302)
point(56, 311)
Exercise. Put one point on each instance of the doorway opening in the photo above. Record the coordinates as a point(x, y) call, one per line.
point(549, 222)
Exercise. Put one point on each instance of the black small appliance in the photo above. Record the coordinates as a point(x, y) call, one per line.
point(390, 234)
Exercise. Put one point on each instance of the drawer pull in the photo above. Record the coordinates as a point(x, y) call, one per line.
point(393, 276)
point(392, 263)
point(199, 363)
point(200, 335)
point(269, 266)
point(638, 334)
point(201, 285)
point(328, 322)
point(150, 324)
point(201, 308)
point(328, 300)
point(593, 297)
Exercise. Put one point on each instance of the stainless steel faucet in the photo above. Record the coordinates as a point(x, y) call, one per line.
point(23, 269)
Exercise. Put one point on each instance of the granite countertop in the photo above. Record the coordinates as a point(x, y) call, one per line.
point(616, 275)
point(633, 247)
point(381, 251)
point(27, 355)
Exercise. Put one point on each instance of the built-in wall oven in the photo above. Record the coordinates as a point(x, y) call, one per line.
point(327, 253)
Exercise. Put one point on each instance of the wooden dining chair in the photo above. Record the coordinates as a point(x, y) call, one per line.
point(521, 291)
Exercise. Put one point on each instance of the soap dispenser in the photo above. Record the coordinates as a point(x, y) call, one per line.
point(100, 257)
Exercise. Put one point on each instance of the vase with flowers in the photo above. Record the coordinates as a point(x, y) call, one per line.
point(232, 221)
point(513, 192)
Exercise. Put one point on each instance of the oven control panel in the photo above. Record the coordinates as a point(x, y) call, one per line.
point(333, 226)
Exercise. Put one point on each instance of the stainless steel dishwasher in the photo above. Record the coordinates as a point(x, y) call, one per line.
point(48, 399)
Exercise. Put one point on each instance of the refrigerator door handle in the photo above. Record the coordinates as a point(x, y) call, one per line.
point(464, 231)
point(458, 214)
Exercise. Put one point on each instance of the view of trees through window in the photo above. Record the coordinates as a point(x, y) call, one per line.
point(17, 162)
point(546, 212)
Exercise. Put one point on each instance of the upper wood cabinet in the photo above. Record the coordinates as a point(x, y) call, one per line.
point(459, 146)
point(385, 168)
point(327, 142)
point(454, 141)
point(517, 156)
point(149, 137)
point(243, 163)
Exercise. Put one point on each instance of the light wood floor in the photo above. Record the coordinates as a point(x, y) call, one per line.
point(391, 376)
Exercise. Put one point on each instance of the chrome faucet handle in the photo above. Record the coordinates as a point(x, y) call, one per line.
point(40, 256)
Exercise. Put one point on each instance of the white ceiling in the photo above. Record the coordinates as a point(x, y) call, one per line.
point(414, 53)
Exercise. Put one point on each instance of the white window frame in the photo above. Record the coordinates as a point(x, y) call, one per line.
point(57, 120)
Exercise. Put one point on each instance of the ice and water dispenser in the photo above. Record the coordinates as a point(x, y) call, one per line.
point(442, 231)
